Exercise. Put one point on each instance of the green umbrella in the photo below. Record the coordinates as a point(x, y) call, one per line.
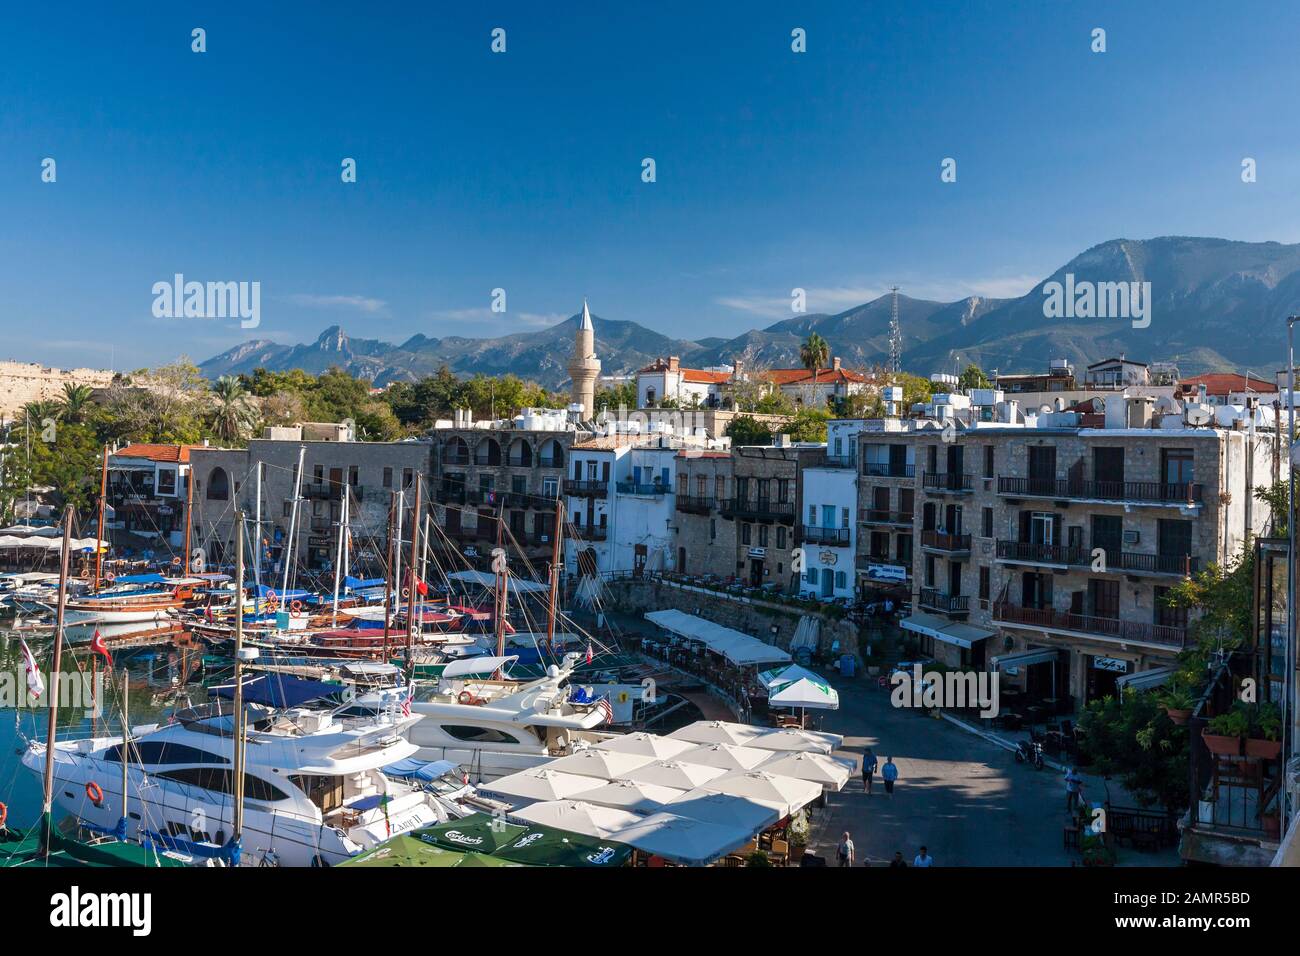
point(545, 846)
point(406, 850)
point(478, 832)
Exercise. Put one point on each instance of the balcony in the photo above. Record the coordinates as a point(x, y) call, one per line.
point(835, 537)
point(1128, 562)
point(946, 483)
point(326, 490)
point(588, 532)
point(633, 488)
point(481, 533)
point(586, 489)
point(550, 461)
point(875, 516)
point(947, 543)
point(761, 509)
point(695, 505)
point(1088, 625)
point(883, 469)
point(450, 495)
point(840, 461)
point(1127, 492)
point(455, 457)
point(521, 461)
point(934, 600)
point(519, 499)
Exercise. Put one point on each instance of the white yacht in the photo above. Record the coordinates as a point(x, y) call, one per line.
point(315, 790)
point(496, 727)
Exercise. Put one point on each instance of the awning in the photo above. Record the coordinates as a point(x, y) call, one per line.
point(963, 635)
point(1145, 680)
point(486, 580)
point(413, 768)
point(1025, 658)
point(922, 623)
point(735, 646)
point(277, 690)
point(477, 665)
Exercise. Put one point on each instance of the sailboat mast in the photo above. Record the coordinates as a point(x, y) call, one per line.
point(237, 824)
point(557, 536)
point(189, 515)
point(257, 538)
point(413, 597)
point(52, 720)
point(126, 760)
point(338, 554)
point(388, 571)
point(293, 523)
point(100, 537)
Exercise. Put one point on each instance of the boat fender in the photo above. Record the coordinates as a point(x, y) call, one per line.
point(4, 815)
point(95, 793)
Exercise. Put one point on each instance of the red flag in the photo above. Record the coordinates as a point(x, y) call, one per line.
point(423, 588)
point(99, 647)
point(590, 655)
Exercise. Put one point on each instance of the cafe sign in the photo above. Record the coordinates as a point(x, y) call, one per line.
point(828, 557)
point(1110, 664)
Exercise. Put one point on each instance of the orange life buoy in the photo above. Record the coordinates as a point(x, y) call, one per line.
point(95, 793)
point(176, 562)
point(465, 697)
point(295, 607)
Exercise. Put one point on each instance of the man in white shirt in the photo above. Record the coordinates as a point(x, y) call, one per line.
point(923, 859)
point(844, 852)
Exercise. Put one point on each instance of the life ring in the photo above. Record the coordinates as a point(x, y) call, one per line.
point(110, 577)
point(270, 595)
point(95, 793)
point(176, 562)
point(465, 697)
point(296, 607)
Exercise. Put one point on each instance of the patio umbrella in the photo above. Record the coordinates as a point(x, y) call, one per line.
point(545, 846)
point(726, 757)
point(605, 764)
point(478, 831)
point(716, 732)
point(675, 774)
point(727, 809)
point(790, 739)
point(759, 785)
point(630, 795)
point(832, 774)
point(585, 818)
point(647, 745)
point(538, 783)
point(684, 840)
point(804, 692)
point(785, 675)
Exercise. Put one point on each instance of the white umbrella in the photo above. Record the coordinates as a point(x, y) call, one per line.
point(716, 732)
point(647, 745)
point(790, 739)
point(538, 783)
point(682, 839)
point(630, 795)
point(604, 764)
point(674, 773)
point(804, 693)
point(727, 809)
point(832, 774)
point(788, 792)
point(586, 818)
point(726, 757)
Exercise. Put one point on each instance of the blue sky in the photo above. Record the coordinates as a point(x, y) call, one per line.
point(522, 170)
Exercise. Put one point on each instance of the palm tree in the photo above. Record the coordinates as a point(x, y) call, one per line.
point(233, 412)
point(814, 353)
point(35, 414)
point(74, 401)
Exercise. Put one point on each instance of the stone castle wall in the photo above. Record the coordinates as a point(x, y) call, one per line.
point(23, 382)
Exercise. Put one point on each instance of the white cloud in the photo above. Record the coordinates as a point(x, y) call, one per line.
point(358, 303)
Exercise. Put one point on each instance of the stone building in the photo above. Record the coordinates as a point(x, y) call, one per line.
point(584, 366)
point(766, 503)
point(705, 542)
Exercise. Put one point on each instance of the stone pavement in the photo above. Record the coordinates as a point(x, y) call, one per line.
point(964, 798)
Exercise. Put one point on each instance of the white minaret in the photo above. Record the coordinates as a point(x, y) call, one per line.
point(584, 367)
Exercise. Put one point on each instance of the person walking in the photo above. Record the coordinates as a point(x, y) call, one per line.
point(1073, 783)
point(923, 859)
point(889, 773)
point(844, 852)
point(868, 768)
point(898, 863)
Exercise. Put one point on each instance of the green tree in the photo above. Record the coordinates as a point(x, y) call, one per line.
point(1130, 737)
point(809, 425)
point(614, 397)
point(814, 354)
point(747, 430)
point(75, 400)
point(973, 377)
point(233, 413)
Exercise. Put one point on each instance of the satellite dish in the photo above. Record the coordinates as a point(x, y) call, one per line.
point(1199, 415)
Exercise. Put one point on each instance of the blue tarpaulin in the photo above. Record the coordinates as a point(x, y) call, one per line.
point(355, 583)
point(369, 802)
point(261, 590)
point(150, 578)
point(277, 690)
point(111, 595)
point(415, 768)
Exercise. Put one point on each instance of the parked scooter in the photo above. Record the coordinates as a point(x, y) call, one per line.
point(1030, 751)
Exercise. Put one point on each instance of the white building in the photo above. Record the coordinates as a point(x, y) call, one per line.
point(828, 526)
point(667, 379)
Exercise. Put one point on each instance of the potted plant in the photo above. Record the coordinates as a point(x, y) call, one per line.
point(1178, 702)
point(1264, 735)
point(1223, 734)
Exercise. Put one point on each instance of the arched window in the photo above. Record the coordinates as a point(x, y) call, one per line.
point(552, 454)
point(521, 454)
point(649, 398)
point(488, 453)
point(455, 452)
point(218, 485)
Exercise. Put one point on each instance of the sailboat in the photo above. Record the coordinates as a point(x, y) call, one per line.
point(44, 845)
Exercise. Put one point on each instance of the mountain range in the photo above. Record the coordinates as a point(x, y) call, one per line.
point(1215, 305)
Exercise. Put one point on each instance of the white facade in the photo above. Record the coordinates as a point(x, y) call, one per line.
point(829, 532)
point(622, 519)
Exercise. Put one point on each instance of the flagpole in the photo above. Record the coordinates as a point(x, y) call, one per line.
point(99, 531)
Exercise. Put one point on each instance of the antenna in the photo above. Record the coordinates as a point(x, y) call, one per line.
point(895, 335)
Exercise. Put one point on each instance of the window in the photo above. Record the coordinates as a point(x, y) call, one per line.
point(783, 489)
point(408, 477)
point(844, 517)
point(354, 475)
point(780, 536)
point(1176, 465)
point(519, 484)
point(482, 735)
point(905, 549)
point(988, 461)
point(929, 570)
point(812, 514)
point(713, 529)
point(317, 474)
point(218, 485)
point(155, 753)
point(167, 482)
point(1165, 615)
point(720, 487)
point(220, 780)
point(1104, 598)
point(984, 583)
point(987, 529)
point(762, 536)
point(288, 509)
point(744, 534)
point(841, 580)
point(551, 487)
point(388, 477)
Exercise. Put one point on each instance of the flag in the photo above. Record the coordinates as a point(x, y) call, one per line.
point(99, 647)
point(603, 706)
point(423, 588)
point(406, 701)
point(590, 653)
point(35, 683)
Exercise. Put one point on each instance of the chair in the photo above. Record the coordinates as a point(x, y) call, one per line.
point(781, 850)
